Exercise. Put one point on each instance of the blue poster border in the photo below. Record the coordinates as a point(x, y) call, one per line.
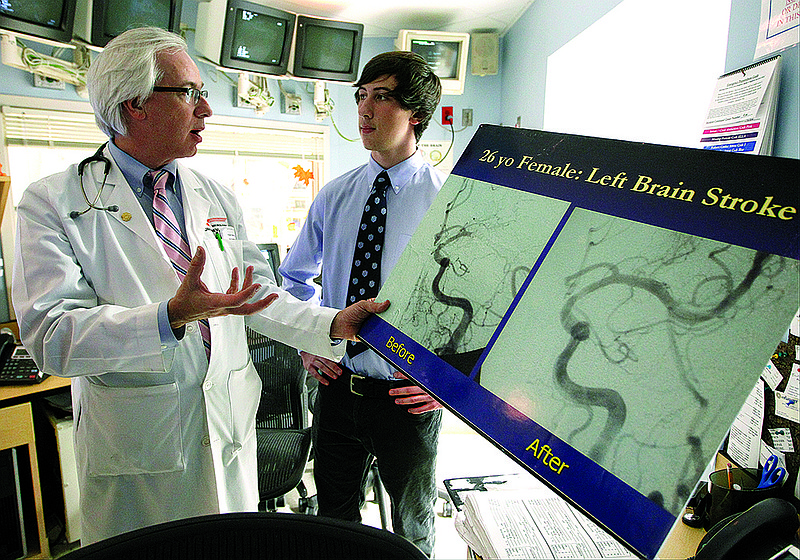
point(580, 165)
point(612, 503)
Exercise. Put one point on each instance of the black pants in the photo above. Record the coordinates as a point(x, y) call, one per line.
point(350, 431)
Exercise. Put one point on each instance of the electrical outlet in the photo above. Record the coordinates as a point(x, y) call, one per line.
point(447, 115)
point(292, 104)
point(243, 103)
point(466, 117)
point(45, 82)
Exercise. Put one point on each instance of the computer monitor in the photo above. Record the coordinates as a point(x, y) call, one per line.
point(447, 53)
point(273, 256)
point(246, 36)
point(51, 20)
point(99, 21)
point(326, 49)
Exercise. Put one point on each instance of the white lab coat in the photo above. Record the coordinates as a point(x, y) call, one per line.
point(160, 434)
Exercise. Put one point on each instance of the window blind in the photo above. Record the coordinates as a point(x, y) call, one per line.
point(44, 127)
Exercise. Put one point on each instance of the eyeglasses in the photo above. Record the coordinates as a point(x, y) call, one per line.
point(192, 95)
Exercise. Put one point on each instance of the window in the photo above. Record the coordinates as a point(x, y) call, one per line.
point(275, 168)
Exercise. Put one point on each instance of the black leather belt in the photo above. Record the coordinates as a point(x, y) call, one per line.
point(363, 386)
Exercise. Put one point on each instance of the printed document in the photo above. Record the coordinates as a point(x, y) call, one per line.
point(534, 523)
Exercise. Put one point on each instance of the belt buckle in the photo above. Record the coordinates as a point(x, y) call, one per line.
point(352, 389)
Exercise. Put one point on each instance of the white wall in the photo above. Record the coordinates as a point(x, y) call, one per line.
point(646, 82)
point(518, 91)
point(549, 25)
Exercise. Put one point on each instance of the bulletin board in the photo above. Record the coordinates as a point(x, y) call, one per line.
point(784, 359)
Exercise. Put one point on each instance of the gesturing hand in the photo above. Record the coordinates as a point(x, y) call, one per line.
point(194, 301)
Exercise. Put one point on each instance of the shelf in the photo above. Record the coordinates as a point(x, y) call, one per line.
point(5, 189)
point(16, 430)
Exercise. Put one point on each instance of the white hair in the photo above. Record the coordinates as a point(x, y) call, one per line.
point(127, 69)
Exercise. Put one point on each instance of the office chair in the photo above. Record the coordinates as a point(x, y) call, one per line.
point(283, 438)
point(378, 493)
point(249, 536)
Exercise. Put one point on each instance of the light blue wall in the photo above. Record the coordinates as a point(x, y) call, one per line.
point(745, 19)
point(481, 94)
point(518, 90)
point(550, 24)
point(544, 28)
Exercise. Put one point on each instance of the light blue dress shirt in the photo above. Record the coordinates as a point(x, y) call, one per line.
point(327, 240)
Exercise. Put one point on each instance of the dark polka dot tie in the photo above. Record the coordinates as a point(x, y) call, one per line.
point(365, 274)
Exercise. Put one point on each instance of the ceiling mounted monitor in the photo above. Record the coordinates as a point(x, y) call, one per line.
point(447, 54)
point(245, 36)
point(49, 20)
point(326, 49)
point(99, 21)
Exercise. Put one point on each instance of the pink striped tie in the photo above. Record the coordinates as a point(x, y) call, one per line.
point(169, 233)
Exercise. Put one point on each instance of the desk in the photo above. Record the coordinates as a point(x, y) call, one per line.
point(681, 542)
point(22, 392)
point(16, 430)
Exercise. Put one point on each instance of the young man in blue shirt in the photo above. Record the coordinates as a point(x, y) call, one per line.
point(363, 410)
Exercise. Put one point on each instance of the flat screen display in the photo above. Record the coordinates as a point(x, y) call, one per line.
point(258, 38)
point(41, 12)
point(328, 48)
point(442, 56)
point(272, 254)
point(121, 15)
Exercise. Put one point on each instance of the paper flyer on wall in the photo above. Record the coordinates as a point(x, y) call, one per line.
point(744, 442)
point(741, 116)
point(780, 26)
point(584, 303)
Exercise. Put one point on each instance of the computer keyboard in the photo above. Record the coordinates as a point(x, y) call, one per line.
point(19, 368)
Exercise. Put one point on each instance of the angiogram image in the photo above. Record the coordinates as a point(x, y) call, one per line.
point(466, 262)
point(637, 346)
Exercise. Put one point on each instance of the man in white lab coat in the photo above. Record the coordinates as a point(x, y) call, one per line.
point(163, 430)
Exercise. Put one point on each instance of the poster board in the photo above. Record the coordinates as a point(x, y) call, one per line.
point(599, 309)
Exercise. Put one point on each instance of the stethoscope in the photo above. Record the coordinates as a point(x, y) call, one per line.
point(96, 157)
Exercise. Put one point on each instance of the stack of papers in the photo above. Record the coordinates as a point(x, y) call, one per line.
point(532, 523)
